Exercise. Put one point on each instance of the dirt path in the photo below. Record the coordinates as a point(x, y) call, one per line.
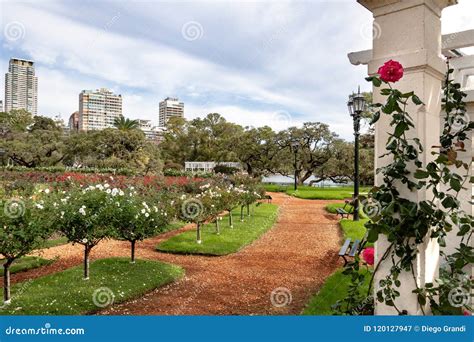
point(291, 260)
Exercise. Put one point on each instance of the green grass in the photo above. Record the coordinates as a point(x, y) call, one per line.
point(55, 242)
point(27, 263)
point(275, 187)
point(230, 240)
point(311, 192)
point(334, 289)
point(329, 193)
point(333, 206)
point(174, 225)
point(66, 293)
point(351, 229)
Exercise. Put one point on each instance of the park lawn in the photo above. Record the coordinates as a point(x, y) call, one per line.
point(66, 293)
point(334, 289)
point(230, 240)
point(55, 242)
point(27, 263)
point(275, 187)
point(333, 206)
point(329, 193)
point(351, 229)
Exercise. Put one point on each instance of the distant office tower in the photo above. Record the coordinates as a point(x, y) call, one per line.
point(170, 107)
point(98, 109)
point(1, 106)
point(21, 86)
point(73, 124)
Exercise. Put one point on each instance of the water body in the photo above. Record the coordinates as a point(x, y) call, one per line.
point(279, 179)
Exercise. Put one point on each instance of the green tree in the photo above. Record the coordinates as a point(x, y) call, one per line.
point(315, 141)
point(125, 124)
point(31, 142)
point(84, 216)
point(25, 224)
point(135, 219)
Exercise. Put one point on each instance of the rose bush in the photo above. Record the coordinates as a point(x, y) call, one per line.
point(25, 222)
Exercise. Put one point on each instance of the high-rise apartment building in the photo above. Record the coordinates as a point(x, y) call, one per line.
point(98, 109)
point(170, 107)
point(21, 86)
point(1, 106)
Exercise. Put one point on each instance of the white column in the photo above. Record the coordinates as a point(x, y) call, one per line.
point(409, 31)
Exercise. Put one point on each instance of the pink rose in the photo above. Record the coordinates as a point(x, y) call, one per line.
point(391, 71)
point(368, 255)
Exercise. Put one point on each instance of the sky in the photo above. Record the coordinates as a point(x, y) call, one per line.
point(276, 63)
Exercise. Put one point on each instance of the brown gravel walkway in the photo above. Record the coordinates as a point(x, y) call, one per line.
point(292, 260)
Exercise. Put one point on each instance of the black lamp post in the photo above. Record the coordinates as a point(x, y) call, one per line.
point(295, 145)
point(356, 106)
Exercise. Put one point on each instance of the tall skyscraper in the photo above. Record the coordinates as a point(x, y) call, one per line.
point(1, 106)
point(98, 109)
point(21, 86)
point(170, 107)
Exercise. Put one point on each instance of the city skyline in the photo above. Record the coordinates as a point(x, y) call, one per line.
point(239, 63)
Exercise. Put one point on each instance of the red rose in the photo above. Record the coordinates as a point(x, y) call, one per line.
point(391, 71)
point(368, 255)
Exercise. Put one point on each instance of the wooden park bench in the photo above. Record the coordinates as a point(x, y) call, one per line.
point(349, 250)
point(268, 198)
point(343, 212)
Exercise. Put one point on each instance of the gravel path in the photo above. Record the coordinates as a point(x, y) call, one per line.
point(292, 260)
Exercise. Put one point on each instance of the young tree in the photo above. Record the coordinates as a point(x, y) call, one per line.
point(25, 224)
point(136, 218)
point(84, 215)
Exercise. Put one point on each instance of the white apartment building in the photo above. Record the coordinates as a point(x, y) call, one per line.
point(21, 86)
point(151, 132)
point(98, 109)
point(170, 107)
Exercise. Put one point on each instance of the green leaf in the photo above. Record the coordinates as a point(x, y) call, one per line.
point(455, 184)
point(400, 129)
point(416, 100)
point(421, 174)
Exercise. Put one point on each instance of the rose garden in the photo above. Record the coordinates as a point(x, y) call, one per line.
point(100, 242)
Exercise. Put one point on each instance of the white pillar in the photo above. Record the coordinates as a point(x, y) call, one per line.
point(409, 31)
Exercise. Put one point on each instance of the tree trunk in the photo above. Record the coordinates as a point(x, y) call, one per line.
point(6, 282)
point(198, 233)
point(218, 231)
point(133, 251)
point(242, 213)
point(87, 250)
point(231, 224)
point(248, 209)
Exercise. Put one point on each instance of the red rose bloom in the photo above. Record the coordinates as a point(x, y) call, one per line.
point(368, 255)
point(391, 71)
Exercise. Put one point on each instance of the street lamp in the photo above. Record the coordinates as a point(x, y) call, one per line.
point(295, 145)
point(356, 106)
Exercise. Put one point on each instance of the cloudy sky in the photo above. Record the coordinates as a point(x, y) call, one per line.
point(257, 63)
